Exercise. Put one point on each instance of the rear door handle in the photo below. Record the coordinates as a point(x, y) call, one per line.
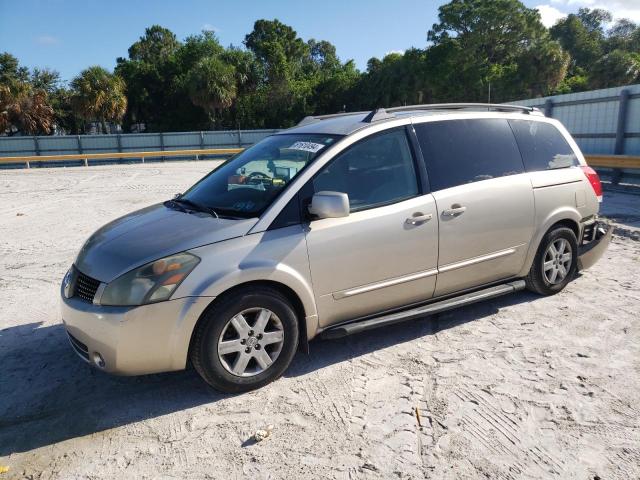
point(456, 209)
point(418, 218)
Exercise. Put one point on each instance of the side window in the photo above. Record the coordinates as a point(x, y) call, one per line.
point(376, 171)
point(463, 151)
point(542, 146)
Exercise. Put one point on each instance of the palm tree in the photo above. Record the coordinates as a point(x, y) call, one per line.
point(25, 109)
point(98, 95)
point(212, 86)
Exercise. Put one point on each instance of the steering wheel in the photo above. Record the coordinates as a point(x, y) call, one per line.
point(258, 177)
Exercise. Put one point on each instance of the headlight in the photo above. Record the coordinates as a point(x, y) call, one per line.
point(153, 282)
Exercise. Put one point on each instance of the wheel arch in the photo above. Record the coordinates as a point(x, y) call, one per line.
point(285, 290)
point(568, 218)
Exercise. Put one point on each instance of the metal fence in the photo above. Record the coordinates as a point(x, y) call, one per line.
point(133, 142)
point(603, 121)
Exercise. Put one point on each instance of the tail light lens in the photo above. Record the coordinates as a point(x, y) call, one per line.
point(594, 180)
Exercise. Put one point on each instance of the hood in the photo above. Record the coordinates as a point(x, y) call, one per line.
point(149, 234)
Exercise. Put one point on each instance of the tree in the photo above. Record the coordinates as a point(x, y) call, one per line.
point(25, 110)
point(623, 35)
point(58, 96)
point(614, 69)
point(149, 74)
point(484, 42)
point(594, 20)
point(156, 44)
point(285, 93)
point(11, 71)
point(45, 79)
point(98, 95)
point(397, 79)
point(582, 43)
point(212, 86)
point(24, 105)
point(277, 45)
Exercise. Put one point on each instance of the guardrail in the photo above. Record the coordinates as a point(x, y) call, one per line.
point(613, 161)
point(85, 157)
point(617, 169)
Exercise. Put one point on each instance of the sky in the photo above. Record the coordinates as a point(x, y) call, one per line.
point(71, 35)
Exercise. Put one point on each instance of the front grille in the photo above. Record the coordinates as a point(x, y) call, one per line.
point(80, 348)
point(85, 287)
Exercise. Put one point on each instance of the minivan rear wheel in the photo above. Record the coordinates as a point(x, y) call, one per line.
point(555, 263)
point(246, 340)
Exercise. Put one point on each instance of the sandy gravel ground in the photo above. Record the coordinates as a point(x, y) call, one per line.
point(519, 387)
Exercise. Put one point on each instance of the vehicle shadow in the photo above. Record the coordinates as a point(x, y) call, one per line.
point(48, 395)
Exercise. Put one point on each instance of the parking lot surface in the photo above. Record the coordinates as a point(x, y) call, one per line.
point(518, 387)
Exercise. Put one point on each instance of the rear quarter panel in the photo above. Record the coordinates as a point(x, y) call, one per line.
point(563, 194)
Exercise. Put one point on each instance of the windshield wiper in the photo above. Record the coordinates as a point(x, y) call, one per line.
point(175, 206)
point(196, 206)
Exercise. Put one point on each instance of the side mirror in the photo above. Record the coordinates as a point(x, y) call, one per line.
point(329, 205)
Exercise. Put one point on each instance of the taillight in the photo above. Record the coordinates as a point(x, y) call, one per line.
point(594, 180)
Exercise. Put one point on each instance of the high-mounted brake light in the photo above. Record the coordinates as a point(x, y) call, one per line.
point(594, 180)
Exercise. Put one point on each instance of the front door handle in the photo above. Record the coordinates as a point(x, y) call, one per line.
point(456, 209)
point(419, 218)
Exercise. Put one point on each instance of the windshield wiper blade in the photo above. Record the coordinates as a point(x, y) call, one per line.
point(174, 205)
point(196, 206)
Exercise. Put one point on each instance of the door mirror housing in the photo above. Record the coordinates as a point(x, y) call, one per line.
point(329, 205)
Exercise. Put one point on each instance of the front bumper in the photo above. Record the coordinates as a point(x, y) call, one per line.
point(133, 340)
point(594, 243)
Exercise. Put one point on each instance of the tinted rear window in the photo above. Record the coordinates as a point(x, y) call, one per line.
point(542, 146)
point(463, 151)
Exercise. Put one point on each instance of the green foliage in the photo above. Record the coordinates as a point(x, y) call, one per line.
point(615, 68)
point(212, 85)
point(156, 44)
point(97, 95)
point(584, 44)
point(600, 58)
point(478, 50)
point(497, 44)
point(24, 105)
point(11, 71)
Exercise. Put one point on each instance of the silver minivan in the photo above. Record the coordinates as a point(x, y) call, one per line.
point(344, 223)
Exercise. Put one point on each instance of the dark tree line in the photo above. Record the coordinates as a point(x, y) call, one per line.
point(478, 50)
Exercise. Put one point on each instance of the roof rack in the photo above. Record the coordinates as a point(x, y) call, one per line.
point(378, 114)
point(498, 107)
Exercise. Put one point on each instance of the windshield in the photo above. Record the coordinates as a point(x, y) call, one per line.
point(246, 184)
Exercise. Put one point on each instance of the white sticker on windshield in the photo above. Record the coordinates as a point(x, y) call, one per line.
point(306, 146)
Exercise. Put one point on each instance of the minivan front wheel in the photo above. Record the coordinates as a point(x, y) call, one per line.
point(245, 340)
point(555, 263)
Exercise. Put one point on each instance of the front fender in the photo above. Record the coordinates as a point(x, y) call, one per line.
point(274, 256)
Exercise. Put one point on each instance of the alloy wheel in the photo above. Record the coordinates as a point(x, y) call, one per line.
point(557, 261)
point(250, 342)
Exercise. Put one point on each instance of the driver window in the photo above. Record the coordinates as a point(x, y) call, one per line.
point(377, 171)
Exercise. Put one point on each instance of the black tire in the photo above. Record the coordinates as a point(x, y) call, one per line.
point(204, 347)
point(536, 280)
